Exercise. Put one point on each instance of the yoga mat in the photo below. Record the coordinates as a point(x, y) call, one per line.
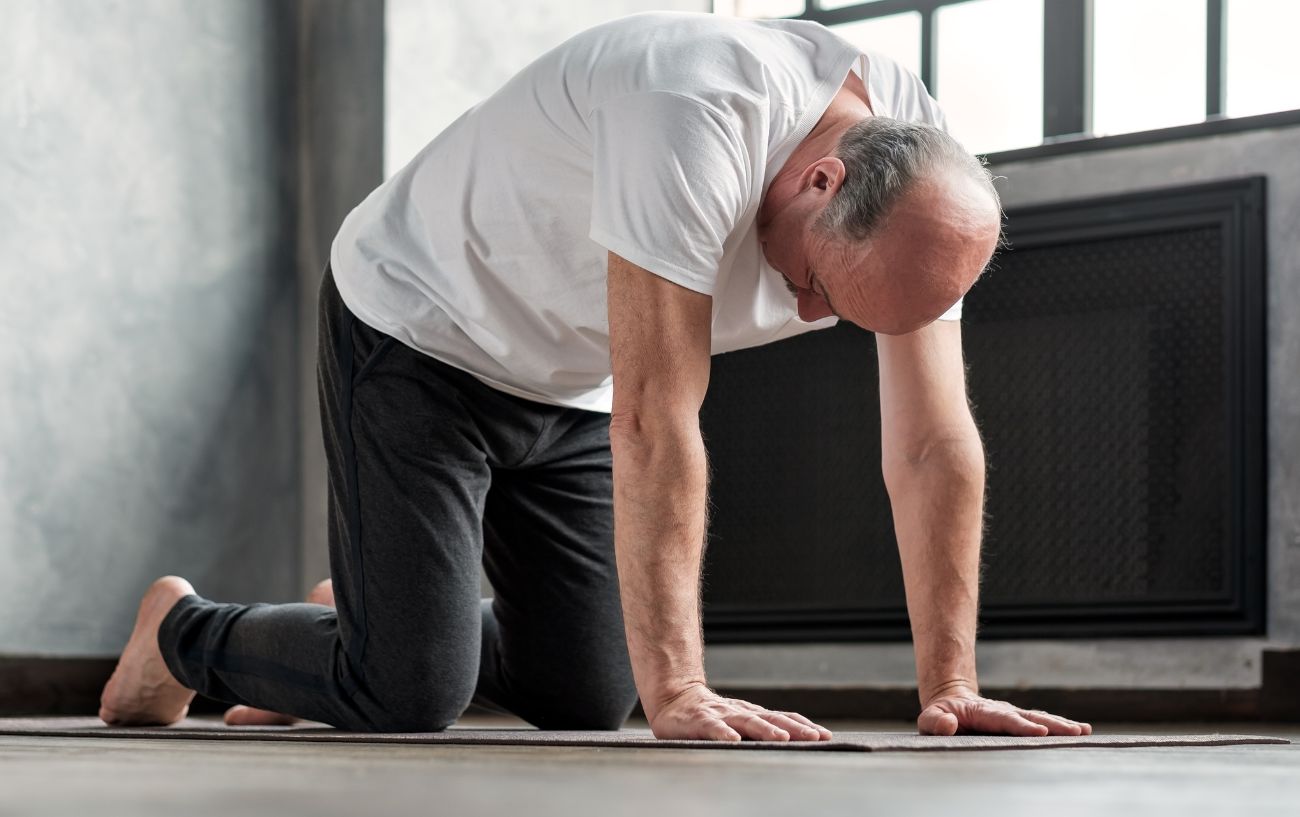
point(200, 729)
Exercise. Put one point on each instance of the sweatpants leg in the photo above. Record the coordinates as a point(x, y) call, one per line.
point(413, 447)
point(554, 651)
point(408, 476)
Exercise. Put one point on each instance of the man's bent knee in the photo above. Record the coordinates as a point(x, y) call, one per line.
point(604, 709)
point(431, 715)
point(423, 705)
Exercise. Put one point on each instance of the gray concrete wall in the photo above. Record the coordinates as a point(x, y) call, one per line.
point(443, 58)
point(1176, 663)
point(148, 328)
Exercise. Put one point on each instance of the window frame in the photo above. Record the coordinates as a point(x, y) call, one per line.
point(1067, 75)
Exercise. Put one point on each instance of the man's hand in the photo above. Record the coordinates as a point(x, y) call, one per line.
point(699, 713)
point(962, 711)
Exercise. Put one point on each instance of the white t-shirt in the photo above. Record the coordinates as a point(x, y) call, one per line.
point(653, 136)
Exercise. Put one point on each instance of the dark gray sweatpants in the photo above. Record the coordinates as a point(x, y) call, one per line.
point(432, 473)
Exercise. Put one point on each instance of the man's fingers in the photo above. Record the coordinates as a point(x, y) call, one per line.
point(947, 717)
point(994, 717)
point(1010, 722)
point(704, 715)
point(937, 721)
point(946, 724)
point(719, 730)
point(821, 730)
point(796, 730)
point(1056, 724)
point(700, 713)
point(754, 727)
point(796, 725)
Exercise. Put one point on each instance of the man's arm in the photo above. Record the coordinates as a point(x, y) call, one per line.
point(933, 462)
point(659, 351)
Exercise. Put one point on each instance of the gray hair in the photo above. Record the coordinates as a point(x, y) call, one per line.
point(882, 158)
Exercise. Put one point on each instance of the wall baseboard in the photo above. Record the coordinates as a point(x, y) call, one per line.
point(52, 686)
point(38, 685)
point(42, 685)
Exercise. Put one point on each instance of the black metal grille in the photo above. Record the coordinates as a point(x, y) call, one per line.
point(1116, 368)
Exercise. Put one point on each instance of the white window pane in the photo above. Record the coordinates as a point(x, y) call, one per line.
point(762, 8)
point(827, 5)
point(897, 36)
point(1148, 64)
point(1262, 60)
point(989, 72)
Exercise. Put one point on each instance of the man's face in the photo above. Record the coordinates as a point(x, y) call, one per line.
point(789, 244)
point(792, 257)
point(922, 260)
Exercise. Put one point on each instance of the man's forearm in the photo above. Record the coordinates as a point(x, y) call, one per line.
point(660, 486)
point(938, 504)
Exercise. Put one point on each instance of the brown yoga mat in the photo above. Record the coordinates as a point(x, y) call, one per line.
point(204, 729)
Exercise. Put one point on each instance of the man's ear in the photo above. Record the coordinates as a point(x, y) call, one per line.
point(824, 174)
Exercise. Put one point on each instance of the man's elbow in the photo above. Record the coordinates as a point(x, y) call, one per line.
point(957, 456)
point(661, 436)
point(652, 421)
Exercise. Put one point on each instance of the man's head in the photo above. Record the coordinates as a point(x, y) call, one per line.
point(888, 232)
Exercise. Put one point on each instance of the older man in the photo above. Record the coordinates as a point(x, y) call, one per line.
point(515, 341)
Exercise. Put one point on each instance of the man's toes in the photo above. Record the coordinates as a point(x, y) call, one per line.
point(248, 716)
point(322, 593)
point(107, 715)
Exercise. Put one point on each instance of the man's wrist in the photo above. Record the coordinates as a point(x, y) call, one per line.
point(663, 694)
point(957, 686)
point(664, 666)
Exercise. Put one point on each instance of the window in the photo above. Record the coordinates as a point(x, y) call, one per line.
point(827, 5)
point(989, 72)
point(1148, 64)
point(1262, 59)
point(897, 36)
point(1014, 73)
point(760, 8)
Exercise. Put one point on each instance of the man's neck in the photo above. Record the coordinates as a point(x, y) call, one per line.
point(850, 106)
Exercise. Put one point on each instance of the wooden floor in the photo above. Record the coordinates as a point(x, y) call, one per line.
point(136, 777)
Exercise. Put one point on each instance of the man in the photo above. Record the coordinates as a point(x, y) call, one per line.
point(515, 341)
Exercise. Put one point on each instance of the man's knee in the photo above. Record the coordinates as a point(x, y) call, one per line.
point(600, 716)
point(601, 706)
point(419, 699)
point(427, 711)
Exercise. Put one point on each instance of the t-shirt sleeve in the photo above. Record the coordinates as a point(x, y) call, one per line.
point(670, 182)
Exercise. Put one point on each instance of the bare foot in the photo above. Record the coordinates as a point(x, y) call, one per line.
point(142, 691)
point(322, 593)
